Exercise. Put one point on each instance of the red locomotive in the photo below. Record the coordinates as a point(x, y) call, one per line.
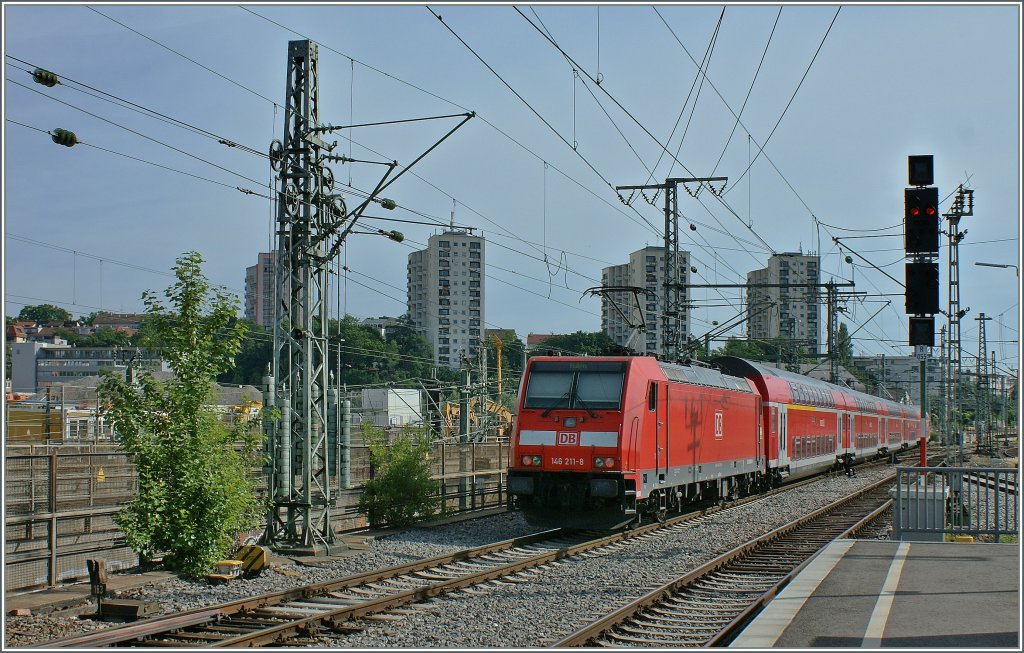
point(600, 441)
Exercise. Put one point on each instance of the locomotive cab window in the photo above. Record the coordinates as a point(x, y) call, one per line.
point(580, 385)
point(652, 397)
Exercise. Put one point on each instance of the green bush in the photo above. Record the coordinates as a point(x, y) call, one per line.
point(401, 489)
point(196, 491)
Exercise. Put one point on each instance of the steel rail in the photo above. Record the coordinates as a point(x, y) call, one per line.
point(221, 616)
point(719, 633)
point(127, 632)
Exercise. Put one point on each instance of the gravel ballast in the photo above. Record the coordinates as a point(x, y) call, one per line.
point(552, 602)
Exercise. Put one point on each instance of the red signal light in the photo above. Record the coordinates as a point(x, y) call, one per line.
point(930, 210)
point(914, 211)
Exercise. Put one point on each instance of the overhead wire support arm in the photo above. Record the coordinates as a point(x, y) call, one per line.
point(836, 240)
point(326, 129)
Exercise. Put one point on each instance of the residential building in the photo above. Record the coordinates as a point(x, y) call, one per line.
point(259, 290)
point(901, 379)
point(446, 295)
point(646, 270)
point(126, 322)
point(786, 312)
point(383, 324)
point(36, 366)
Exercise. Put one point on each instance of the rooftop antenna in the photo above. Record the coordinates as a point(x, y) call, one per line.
point(453, 214)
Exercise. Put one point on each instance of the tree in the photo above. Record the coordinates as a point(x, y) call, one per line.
point(401, 488)
point(574, 344)
point(844, 344)
point(253, 356)
point(196, 492)
point(415, 355)
point(44, 313)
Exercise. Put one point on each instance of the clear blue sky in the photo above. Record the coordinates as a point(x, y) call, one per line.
point(888, 81)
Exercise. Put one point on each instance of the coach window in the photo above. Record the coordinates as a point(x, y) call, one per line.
point(652, 397)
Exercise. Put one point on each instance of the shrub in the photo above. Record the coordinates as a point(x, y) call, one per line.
point(402, 489)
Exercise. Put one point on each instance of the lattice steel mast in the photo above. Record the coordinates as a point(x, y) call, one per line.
point(300, 517)
point(963, 205)
point(303, 441)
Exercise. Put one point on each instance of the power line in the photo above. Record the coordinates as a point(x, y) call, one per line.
point(170, 49)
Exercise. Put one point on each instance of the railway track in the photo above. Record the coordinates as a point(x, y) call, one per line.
point(709, 605)
point(282, 616)
point(999, 484)
point(334, 605)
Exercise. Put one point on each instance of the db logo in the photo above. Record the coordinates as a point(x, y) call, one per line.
point(567, 438)
point(718, 426)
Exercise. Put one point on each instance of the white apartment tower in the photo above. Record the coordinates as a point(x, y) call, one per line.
point(259, 290)
point(646, 269)
point(446, 295)
point(792, 312)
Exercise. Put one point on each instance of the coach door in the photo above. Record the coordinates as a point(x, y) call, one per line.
point(658, 409)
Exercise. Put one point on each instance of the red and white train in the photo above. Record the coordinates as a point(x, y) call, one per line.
point(600, 441)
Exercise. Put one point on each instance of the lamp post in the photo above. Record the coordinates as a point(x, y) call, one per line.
point(1016, 272)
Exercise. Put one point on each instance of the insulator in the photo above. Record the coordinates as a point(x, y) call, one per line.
point(63, 137)
point(849, 259)
point(396, 236)
point(45, 77)
point(388, 204)
point(693, 227)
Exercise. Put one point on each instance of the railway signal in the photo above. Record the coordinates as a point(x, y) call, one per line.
point(921, 243)
point(922, 296)
point(922, 331)
point(921, 220)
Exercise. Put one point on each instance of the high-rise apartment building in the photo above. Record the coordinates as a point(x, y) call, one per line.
point(646, 269)
point(786, 312)
point(259, 290)
point(446, 295)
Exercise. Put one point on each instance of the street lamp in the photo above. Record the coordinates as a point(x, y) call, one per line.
point(1000, 265)
point(1016, 272)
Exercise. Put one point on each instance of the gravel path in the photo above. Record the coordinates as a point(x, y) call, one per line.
point(555, 600)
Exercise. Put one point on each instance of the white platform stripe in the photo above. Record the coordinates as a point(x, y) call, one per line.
point(883, 605)
point(768, 626)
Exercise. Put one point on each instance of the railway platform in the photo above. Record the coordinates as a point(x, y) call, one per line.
point(891, 594)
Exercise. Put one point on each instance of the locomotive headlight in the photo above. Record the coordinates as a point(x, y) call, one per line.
point(609, 462)
point(527, 460)
point(598, 462)
point(536, 460)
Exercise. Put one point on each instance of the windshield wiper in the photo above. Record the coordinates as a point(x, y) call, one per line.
point(554, 405)
point(586, 407)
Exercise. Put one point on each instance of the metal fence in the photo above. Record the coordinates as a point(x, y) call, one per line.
point(61, 501)
point(932, 502)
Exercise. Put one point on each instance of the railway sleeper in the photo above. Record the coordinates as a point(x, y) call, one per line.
point(202, 637)
point(669, 615)
point(695, 641)
point(164, 643)
point(673, 628)
point(701, 600)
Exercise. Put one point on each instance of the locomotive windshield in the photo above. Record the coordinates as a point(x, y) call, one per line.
point(586, 385)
